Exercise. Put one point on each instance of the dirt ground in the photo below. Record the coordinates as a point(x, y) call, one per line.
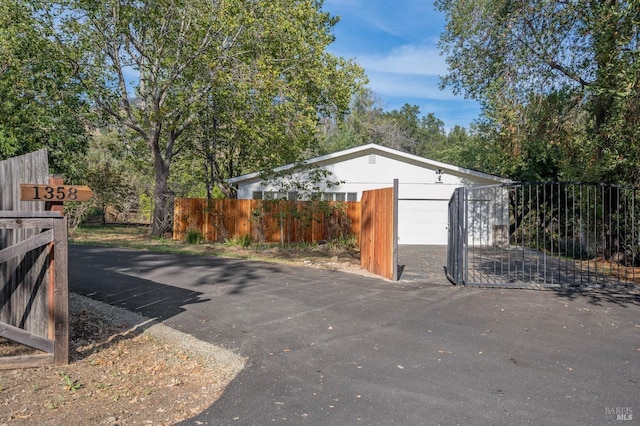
point(136, 237)
point(121, 375)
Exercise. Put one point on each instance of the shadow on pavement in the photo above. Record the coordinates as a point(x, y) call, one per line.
point(140, 281)
point(618, 296)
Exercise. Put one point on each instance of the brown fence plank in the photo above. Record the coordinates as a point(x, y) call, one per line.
point(19, 335)
point(61, 296)
point(25, 361)
point(377, 232)
point(27, 245)
point(263, 220)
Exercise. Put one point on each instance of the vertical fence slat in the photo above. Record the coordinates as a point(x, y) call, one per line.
point(61, 297)
point(377, 232)
point(561, 234)
point(217, 220)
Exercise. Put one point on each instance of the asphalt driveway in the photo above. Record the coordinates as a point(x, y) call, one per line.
point(332, 348)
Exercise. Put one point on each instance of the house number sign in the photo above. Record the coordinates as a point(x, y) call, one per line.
point(58, 193)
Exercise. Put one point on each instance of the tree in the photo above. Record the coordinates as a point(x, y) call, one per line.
point(357, 128)
point(434, 138)
point(304, 182)
point(509, 53)
point(40, 102)
point(257, 67)
point(402, 129)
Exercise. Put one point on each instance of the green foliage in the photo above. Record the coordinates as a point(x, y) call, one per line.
point(69, 383)
point(117, 181)
point(558, 82)
point(239, 240)
point(237, 84)
point(41, 104)
point(193, 236)
point(347, 242)
point(405, 130)
point(337, 224)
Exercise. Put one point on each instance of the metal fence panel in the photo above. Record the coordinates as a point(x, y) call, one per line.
point(560, 234)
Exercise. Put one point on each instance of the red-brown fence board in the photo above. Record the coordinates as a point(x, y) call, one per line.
point(377, 232)
point(268, 220)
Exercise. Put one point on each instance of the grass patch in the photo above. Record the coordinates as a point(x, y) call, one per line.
point(238, 247)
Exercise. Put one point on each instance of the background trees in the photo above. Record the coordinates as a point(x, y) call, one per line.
point(558, 80)
point(40, 102)
point(188, 93)
point(237, 81)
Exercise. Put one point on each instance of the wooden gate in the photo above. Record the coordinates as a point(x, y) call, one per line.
point(34, 298)
point(33, 267)
point(379, 232)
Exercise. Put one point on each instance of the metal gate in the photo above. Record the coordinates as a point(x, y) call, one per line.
point(533, 235)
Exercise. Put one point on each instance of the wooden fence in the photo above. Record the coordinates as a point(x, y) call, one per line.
point(34, 302)
point(265, 220)
point(378, 238)
point(33, 267)
point(373, 221)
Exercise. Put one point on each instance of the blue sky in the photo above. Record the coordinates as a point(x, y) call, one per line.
point(395, 41)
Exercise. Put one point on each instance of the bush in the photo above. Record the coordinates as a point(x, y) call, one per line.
point(346, 242)
point(193, 237)
point(242, 241)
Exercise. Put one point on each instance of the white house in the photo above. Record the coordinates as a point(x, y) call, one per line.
point(425, 186)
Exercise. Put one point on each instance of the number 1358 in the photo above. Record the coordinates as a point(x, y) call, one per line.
point(59, 193)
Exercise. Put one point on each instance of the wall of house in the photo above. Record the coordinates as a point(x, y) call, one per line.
point(366, 173)
point(423, 192)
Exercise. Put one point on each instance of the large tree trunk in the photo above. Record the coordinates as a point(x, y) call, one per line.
point(162, 220)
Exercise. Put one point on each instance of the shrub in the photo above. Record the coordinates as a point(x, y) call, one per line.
point(242, 241)
point(193, 237)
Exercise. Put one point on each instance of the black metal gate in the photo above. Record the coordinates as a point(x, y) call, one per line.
point(532, 235)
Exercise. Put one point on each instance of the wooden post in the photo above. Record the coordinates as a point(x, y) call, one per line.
point(58, 295)
point(61, 293)
point(56, 206)
point(394, 237)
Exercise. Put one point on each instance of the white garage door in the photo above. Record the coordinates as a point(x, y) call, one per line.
point(423, 222)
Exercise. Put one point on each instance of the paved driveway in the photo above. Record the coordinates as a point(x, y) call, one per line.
point(331, 348)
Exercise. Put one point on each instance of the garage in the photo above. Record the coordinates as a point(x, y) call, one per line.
point(422, 222)
point(425, 186)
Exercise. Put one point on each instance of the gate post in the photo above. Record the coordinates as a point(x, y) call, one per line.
point(61, 292)
point(456, 241)
point(461, 244)
point(395, 230)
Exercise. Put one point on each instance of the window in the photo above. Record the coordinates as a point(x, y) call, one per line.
point(292, 195)
point(273, 195)
point(339, 196)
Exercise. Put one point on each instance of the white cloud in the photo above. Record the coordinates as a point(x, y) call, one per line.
point(396, 43)
point(407, 59)
point(408, 85)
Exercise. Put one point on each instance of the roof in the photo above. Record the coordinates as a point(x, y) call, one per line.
point(372, 148)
